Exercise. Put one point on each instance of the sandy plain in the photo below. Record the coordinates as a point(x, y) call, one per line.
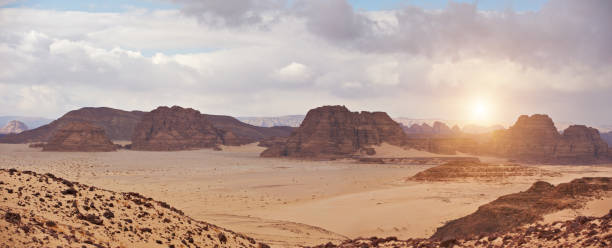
point(286, 202)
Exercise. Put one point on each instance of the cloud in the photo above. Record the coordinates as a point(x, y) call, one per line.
point(231, 12)
point(294, 72)
point(216, 57)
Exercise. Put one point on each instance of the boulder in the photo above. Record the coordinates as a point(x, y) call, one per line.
point(79, 137)
point(334, 131)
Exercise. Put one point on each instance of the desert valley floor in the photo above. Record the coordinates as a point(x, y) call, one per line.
point(287, 202)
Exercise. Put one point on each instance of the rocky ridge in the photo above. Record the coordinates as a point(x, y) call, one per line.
point(514, 210)
point(579, 232)
point(117, 124)
point(13, 127)
point(475, 170)
point(334, 131)
point(39, 210)
point(79, 137)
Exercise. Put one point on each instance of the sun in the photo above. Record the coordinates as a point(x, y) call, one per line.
point(480, 111)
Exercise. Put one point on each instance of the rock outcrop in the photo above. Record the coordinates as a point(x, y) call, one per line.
point(118, 125)
point(246, 133)
point(580, 232)
point(39, 210)
point(13, 127)
point(79, 137)
point(514, 210)
point(177, 128)
point(535, 139)
point(334, 131)
point(470, 170)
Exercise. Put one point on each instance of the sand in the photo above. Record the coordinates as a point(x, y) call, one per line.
point(286, 202)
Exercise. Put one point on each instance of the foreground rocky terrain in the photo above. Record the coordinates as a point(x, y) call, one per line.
point(13, 127)
point(334, 131)
point(79, 137)
point(514, 210)
point(474, 170)
point(39, 210)
point(579, 232)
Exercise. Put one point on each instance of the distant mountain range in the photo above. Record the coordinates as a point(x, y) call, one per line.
point(31, 122)
point(287, 120)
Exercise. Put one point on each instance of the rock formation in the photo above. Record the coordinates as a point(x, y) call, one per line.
point(176, 128)
point(334, 131)
point(514, 210)
point(117, 124)
point(532, 139)
point(469, 170)
point(13, 127)
point(580, 232)
point(246, 133)
point(607, 137)
point(535, 139)
point(79, 137)
point(39, 210)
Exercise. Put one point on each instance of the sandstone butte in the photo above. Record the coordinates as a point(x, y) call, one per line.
point(334, 131)
point(79, 137)
point(177, 128)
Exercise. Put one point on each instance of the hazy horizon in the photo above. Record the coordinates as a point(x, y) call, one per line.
point(484, 61)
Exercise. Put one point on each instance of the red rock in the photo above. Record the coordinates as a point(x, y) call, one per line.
point(334, 131)
point(580, 144)
point(81, 137)
point(176, 128)
point(117, 124)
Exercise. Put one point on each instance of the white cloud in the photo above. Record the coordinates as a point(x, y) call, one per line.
point(294, 72)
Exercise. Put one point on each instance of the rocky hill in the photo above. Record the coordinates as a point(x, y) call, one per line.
point(535, 139)
point(79, 137)
point(177, 128)
point(438, 129)
point(13, 127)
point(472, 170)
point(249, 133)
point(31, 122)
point(118, 124)
point(579, 232)
point(514, 210)
point(45, 211)
point(334, 131)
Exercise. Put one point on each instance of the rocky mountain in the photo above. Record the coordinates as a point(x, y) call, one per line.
point(31, 122)
point(438, 129)
point(118, 124)
point(514, 210)
point(334, 131)
point(247, 131)
point(79, 137)
point(471, 170)
point(13, 127)
point(177, 128)
point(287, 120)
point(39, 210)
point(535, 139)
point(580, 232)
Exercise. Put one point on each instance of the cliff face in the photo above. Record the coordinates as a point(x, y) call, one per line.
point(79, 137)
point(530, 138)
point(176, 128)
point(117, 124)
point(334, 131)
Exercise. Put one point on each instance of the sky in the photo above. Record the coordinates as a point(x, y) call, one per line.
point(485, 61)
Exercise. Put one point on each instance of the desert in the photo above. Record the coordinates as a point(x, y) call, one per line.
point(305, 123)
